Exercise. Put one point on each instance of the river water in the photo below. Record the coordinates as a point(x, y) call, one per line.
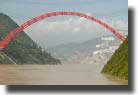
point(66, 74)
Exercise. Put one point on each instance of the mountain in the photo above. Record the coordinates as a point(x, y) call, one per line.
point(22, 49)
point(118, 64)
point(64, 51)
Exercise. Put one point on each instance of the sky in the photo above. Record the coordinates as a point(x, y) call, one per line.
point(67, 29)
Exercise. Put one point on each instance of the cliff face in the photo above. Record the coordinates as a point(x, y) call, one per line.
point(118, 64)
point(22, 49)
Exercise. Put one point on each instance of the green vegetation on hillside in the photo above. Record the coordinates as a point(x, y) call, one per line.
point(118, 64)
point(4, 58)
point(22, 49)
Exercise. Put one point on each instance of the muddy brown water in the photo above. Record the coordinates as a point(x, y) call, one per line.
point(66, 74)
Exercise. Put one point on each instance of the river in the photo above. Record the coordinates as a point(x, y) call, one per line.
point(66, 74)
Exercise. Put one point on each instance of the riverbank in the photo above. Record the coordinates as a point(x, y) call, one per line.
point(117, 79)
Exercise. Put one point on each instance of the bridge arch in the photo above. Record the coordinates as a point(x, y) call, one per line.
point(5, 41)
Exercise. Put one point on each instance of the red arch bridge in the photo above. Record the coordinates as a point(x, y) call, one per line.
point(6, 40)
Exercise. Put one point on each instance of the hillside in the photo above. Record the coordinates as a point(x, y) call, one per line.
point(85, 48)
point(69, 49)
point(4, 58)
point(118, 64)
point(22, 49)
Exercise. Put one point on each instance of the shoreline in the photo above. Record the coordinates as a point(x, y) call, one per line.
point(121, 80)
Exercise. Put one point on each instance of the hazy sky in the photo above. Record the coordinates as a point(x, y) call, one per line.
point(65, 29)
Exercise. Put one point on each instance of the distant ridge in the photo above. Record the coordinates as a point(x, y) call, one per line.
point(86, 47)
